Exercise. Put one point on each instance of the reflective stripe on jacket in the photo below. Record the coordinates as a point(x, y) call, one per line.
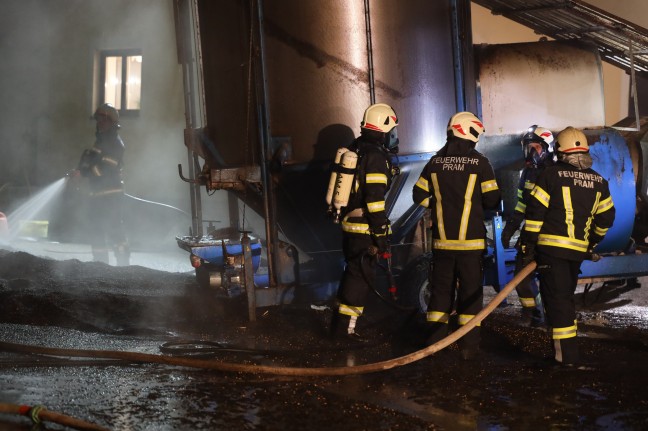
point(458, 184)
point(569, 209)
point(366, 212)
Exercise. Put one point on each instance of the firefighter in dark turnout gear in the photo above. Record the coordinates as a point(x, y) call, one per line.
point(102, 165)
point(365, 225)
point(569, 213)
point(457, 185)
point(537, 146)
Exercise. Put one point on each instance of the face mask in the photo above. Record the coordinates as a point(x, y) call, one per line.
point(392, 139)
point(534, 153)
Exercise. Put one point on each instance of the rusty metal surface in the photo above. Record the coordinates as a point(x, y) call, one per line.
point(317, 73)
point(577, 20)
point(554, 84)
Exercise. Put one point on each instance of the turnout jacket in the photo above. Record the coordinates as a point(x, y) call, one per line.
point(570, 210)
point(102, 164)
point(458, 184)
point(365, 213)
point(528, 178)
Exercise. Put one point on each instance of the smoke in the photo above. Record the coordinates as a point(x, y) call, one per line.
point(50, 82)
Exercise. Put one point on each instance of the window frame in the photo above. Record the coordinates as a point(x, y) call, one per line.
point(124, 54)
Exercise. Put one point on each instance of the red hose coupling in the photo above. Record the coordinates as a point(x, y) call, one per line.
point(195, 260)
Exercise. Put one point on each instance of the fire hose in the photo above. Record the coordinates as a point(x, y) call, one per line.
point(40, 414)
point(286, 371)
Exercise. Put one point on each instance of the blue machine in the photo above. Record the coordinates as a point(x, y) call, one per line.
point(220, 263)
point(612, 159)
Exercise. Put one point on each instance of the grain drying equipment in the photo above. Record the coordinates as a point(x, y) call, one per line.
point(273, 89)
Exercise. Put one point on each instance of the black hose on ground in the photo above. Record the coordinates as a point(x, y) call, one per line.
point(286, 371)
point(387, 270)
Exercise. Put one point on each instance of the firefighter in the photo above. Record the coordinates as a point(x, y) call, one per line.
point(569, 212)
point(457, 185)
point(365, 226)
point(102, 165)
point(538, 149)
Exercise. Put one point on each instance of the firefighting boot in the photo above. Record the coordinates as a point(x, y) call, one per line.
point(469, 344)
point(537, 314)
point(537, 317)
point(566, 351)
point(526, 316)
point(343, 328)
point(122, 255)
point(435, 332)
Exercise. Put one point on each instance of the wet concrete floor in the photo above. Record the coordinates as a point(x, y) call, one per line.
point(510, 386)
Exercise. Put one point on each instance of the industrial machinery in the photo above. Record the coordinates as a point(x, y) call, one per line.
point(273, 89)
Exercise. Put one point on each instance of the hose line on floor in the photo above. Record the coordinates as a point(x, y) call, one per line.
point(285, 371)
point(40, 414)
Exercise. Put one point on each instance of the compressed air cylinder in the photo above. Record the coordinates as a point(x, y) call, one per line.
point(334, 174)
point(344, 181)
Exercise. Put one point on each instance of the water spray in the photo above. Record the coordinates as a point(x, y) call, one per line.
point(32, 208)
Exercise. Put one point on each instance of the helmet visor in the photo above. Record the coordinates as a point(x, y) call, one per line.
point(392, 139)
point(534, 152)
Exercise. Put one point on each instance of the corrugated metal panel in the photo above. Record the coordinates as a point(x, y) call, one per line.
point(576, 20)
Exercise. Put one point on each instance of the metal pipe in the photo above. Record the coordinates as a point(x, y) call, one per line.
point(370, 67)
point(264, 129)
point(457, 53)
point(248, 272)
point(188, 52)
point(633, 85)
point(634, 88)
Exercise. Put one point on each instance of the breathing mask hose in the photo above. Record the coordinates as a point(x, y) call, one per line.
point(285, 371)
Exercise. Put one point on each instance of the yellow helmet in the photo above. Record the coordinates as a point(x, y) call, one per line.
point(109, 111)
point(571, 141)
point(466, 125)
point(380, 118)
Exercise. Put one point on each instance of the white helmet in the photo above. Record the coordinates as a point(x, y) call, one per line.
point(379, 117)
point(537, 144)
point(466, 125)
point(571, 141)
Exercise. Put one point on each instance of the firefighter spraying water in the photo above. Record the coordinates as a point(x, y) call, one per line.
point(102, 166)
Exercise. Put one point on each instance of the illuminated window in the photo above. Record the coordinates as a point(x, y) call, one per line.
point(120, 80)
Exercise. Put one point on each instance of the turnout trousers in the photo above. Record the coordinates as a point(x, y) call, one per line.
point(529, 294)
point(558, 280)
point(358, 278)
point(460, 274)
point(108, 232)
point(360, 270)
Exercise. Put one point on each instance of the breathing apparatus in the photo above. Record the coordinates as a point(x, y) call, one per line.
point(537, 145)
point(378, 124)
point(341, 182)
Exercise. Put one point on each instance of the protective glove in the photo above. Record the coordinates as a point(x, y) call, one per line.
point(507, 233)
point(591, 254)
point(528, 253)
